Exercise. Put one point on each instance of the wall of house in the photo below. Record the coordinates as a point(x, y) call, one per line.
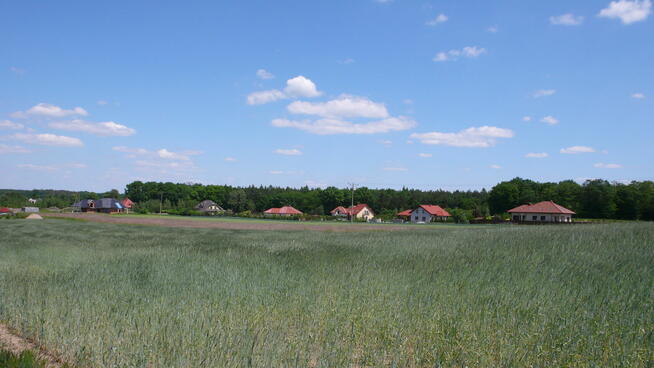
point(545, 217)
point(365, 214)
point(420, 215)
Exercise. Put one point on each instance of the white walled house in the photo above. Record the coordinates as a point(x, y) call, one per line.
point(428, 213)
point(361, 212)
point(546, 211)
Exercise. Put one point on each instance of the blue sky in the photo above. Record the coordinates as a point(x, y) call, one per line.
point(424, 94)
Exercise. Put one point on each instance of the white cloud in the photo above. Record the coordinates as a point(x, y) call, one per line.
point(4, 148)
point(628, 11)
point(526, 118)
point(441, 18)
point(275, 172)
point(395, 169)
point(230, 159)
point(6, 124)
point(577, 149)
point(424, 155)
point(301, 87)
point(495, 166)
point(49, 110)
point(469, 52)
point(493, 29)
point(346, 61)
point(17, 70)
point(47, 139)
point(336, 126)
point(484, 136)
point(102, 102)
point(138, 151)
point(169, 155)
point(543, 93)
point(263, 97)
point(297, 87)
point(264, 74)
point(107, 128)
point(551, 120)
point(536, 155)
point(638, 95)
point(345, 106)
point(37, 167)
point(567, 19)
point(601, 165)
point(288, 152)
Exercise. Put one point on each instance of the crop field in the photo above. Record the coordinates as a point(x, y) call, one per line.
point(110, 295)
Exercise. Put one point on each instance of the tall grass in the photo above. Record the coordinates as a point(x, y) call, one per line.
point(124, 296)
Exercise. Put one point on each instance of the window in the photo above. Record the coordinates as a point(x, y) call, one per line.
point(424, 219)
point(542, 218)
point(534, 218)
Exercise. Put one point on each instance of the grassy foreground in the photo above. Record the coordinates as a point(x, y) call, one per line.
point(106, 295)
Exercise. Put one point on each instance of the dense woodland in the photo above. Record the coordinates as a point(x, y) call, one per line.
point(592, 199)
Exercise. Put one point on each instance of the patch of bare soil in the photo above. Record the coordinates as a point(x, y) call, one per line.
point(16, 345)
point(218, 224)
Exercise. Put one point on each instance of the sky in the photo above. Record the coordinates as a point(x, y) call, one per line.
point(385, 94)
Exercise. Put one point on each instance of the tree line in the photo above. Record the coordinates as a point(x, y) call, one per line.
point(592, 199)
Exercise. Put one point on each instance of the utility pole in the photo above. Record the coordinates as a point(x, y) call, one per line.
point(353, 185)
point(160, 203)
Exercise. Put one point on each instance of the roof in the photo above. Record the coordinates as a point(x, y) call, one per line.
point(542, 207)
point(127, 203)
point(435, 210)
point(5, 210)
point(99, 203)
point(339, 209)
point(286, 210)
point(358, 208)
point(207, 204)
point(405, 213)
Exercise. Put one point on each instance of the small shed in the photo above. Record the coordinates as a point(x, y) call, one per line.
point(30, 209)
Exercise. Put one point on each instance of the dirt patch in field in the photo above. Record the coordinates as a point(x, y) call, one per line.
point(221, 224)
point(16, 345)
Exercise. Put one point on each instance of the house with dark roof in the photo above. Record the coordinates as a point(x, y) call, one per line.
point(209, 207)
point(282, 211)
point(546, 211)
point(426, 213)
point(104, 205)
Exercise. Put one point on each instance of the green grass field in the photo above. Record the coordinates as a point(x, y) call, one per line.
point(104, 295)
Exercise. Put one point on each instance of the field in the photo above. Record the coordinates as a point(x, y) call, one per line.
point(110, 295)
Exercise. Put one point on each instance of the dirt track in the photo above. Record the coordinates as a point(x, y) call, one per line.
point(221, 224)
point(17, 345)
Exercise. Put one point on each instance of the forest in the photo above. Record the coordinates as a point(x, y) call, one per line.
point(599, 199)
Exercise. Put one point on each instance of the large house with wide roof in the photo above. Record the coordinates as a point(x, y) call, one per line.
point(546, 211)
point(104, 205)
point(426, 213)
point(282, 211)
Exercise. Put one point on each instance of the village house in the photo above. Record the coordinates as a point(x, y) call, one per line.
point(209, 207)
point(426, 213)
point(282, 211)
point(361, 212)
point(127, 204)
point(104, 205)
point(546, 211)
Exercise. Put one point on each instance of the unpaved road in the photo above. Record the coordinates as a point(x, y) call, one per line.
point(222, 224)
point(17, 345)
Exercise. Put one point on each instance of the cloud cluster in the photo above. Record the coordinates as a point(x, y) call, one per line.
point(551, 120)
point(264, 74)
point(536, 155)
point(469, 52)
point(6, 124)
point(4, 148)
point(440, 18)
point(288, 152)
point(627, 11)
point(162, 153)
point(337, 126)
point(345, 106)
point(108, 128)
point(543, 93)
point(297, 87)
point(577, 149)
point(567, 19)
point(47, 139)
point(601, 165)
point(477, 137)
point(50, 111)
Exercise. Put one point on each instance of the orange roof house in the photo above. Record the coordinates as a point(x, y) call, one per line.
point(282, 211)
point(545, 211)
point(428, 213)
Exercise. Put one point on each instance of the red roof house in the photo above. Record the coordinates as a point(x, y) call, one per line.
point(283, 211)
point(360, 211)
point(428, 213)
point(546, 211)
point(127, 203)
point(5, 210)
point(405, 213)
point(339, 211)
